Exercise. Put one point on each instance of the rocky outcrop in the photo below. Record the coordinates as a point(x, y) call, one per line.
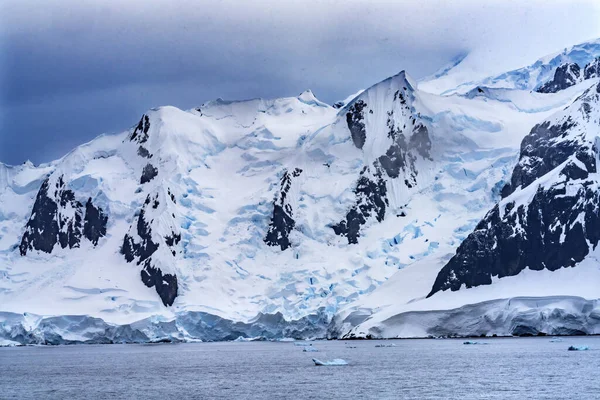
point(140, 133)
point(282, 220)
point(58, 218)
point(148, 173)
point(140, 245)
point(549, 217)
point(565, 76)
point(371, 201)
point(592, 70)
point(355, 119)
point(94, 223)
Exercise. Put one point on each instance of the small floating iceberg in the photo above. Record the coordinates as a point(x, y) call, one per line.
point(332, 363)
point(310, 350)
point(301, 344)
point(385, 345)
point(578, 348)
point(556, 340)
point(473, 342)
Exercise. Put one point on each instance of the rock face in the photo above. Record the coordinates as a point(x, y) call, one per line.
point(592, 70)
point(148, 173)
point(549, 217)
point(56, 218)
point(41, 232)
point(565, 76)
point(141, 245)
point(140, 133)
point(371, 201)
point(355, 119)
point(282, 221)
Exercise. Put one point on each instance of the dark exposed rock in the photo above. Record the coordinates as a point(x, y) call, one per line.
point(543, 153)
point(282, 221)
point(148, 173)
point(41, 231)
point(143, 249)
point(56, 217)
point(356, 123)
point(592, 70)
point(420, 141)
point(554, 229)
point(140, 134)
point(94, 224)
point(400, 158)
point(165, 284)
point(338, 104)
point(173, 240)
point(371, 200)
point(172, 196)
point(143, 152)
point(566, 75)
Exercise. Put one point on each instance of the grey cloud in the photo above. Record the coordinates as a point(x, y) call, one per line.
point(70, 70)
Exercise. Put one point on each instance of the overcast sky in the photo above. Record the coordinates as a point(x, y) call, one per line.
point(71, 70)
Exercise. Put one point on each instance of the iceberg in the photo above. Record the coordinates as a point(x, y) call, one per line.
point(332, 363)
point(578, 348)
point(310, 350)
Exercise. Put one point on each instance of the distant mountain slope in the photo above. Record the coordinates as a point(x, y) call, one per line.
point(530, 77)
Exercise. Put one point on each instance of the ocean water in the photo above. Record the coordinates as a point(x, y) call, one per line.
point(515, 368)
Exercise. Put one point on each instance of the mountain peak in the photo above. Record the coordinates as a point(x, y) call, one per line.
point(308, 97)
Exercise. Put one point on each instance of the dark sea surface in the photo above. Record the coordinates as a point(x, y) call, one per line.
point(515, 368)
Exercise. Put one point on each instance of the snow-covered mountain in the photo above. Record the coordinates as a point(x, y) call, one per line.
point(548, 74)
point(271, 217)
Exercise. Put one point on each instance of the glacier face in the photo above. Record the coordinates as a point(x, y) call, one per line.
point(293, 211)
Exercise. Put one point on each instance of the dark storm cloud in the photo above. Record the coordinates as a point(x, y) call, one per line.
point(70, 70)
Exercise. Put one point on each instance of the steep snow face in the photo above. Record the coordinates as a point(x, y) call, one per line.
point(261, 206)
point(539, 74)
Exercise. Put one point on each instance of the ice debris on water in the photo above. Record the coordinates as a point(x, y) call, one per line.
point(556, 340)
point(578, 348)
point(300, 344)
point(385, 345)
point(310, 350)
point(473, 342)
point(332, 363)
